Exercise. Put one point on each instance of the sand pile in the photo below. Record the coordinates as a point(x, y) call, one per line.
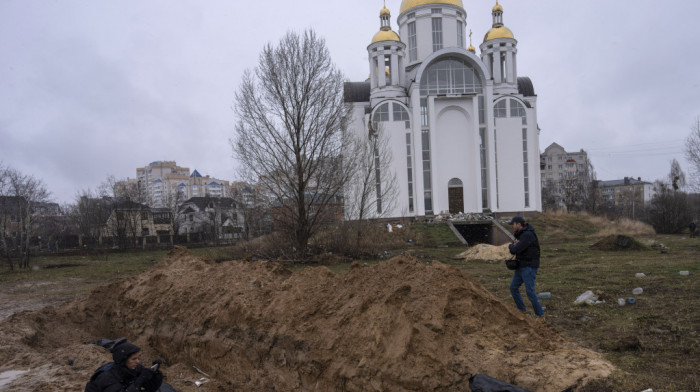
point(397, 326)
point(486, 252)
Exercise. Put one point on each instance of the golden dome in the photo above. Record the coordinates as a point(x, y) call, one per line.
point(384, 11)
point(386, 35)
point(497, 7)
point(471, 48)
point(408, 4)
point(498, 32)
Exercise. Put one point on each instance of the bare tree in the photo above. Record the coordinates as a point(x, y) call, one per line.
point(670, 209)
point(5, 215)
point(692, 153)
point(676, 177)
point(124, 223)
point(290, 130)
point(26, 193)
point(253, 208)
point(373, 189)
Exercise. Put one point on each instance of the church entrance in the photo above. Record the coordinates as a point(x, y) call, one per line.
point(455, 195)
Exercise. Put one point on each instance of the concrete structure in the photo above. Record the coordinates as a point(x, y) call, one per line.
point(461, 127)
point(628, 193)
point(558, 165)
point(562, 172)
point(163, 182)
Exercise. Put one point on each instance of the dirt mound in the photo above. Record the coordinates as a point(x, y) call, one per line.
point(618, 242)
point(397, 326)
point(486, 252)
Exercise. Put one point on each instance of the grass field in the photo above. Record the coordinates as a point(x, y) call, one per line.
point(654, 342)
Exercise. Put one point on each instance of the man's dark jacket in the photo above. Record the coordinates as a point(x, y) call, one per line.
point(120, 379)
point(527, 250)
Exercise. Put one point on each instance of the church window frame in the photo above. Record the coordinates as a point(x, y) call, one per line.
point(460, 34)
point(412, 42)
point(500, 110)
point(437, 33)
point(381, 114)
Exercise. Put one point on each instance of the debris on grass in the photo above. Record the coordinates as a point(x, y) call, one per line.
point(588, 298)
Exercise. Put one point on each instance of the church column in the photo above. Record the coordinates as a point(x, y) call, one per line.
point(496, 61)
point(394, 69)
point(373, 71)
point(509, 66)
point(381, 69)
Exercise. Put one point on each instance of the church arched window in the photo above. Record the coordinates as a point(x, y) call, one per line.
point(401, 114)
point(450, 75)
point(499, 110)
point(518, 110)
point(380, 114)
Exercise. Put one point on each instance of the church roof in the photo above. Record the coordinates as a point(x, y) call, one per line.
point(195, 173)
point(498, 32)
point(525, 87)
point(356, 92)
point(408, 4)
point(385, 35)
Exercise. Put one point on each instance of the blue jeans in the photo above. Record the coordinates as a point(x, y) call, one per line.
point(525, 275)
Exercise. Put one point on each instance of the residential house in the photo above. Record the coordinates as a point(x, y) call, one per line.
point(217, 218)
point(130, 221)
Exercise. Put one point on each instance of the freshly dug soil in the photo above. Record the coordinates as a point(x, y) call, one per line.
point(618, 242)
point(486, 252)
point(400, 325)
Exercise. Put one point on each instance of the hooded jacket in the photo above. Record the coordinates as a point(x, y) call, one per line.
point(527, 250)
point(119, 378)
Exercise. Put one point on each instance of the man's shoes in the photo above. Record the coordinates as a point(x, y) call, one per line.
point(540, 319)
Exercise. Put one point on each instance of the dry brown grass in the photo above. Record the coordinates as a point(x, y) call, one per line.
point(567, 225)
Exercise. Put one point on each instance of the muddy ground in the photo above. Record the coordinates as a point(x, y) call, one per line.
point(401, 325)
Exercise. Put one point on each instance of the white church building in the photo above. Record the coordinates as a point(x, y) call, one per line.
point(461, 127)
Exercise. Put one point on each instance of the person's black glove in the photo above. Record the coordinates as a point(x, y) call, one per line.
point(143, 377)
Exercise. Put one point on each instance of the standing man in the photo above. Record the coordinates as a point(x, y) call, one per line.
point(691, 228)
point(526, 249)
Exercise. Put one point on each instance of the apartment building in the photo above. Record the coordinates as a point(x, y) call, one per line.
point(164, 182)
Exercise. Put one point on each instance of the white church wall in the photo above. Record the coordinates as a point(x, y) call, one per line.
point(396, 131)
point(509, 152)
point(456, 151)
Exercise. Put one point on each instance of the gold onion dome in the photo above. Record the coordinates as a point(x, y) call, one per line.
point(498, 32)
point(384, 11)
point(408, 4)
point(385, 35)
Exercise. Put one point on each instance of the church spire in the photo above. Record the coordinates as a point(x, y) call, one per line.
point(497, 13)
point(471, 47)
point(385, 17)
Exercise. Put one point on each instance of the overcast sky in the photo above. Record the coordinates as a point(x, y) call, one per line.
point(96, 88)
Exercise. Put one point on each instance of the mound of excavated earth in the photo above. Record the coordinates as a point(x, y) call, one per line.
point(397, 326)
point(486, 252)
